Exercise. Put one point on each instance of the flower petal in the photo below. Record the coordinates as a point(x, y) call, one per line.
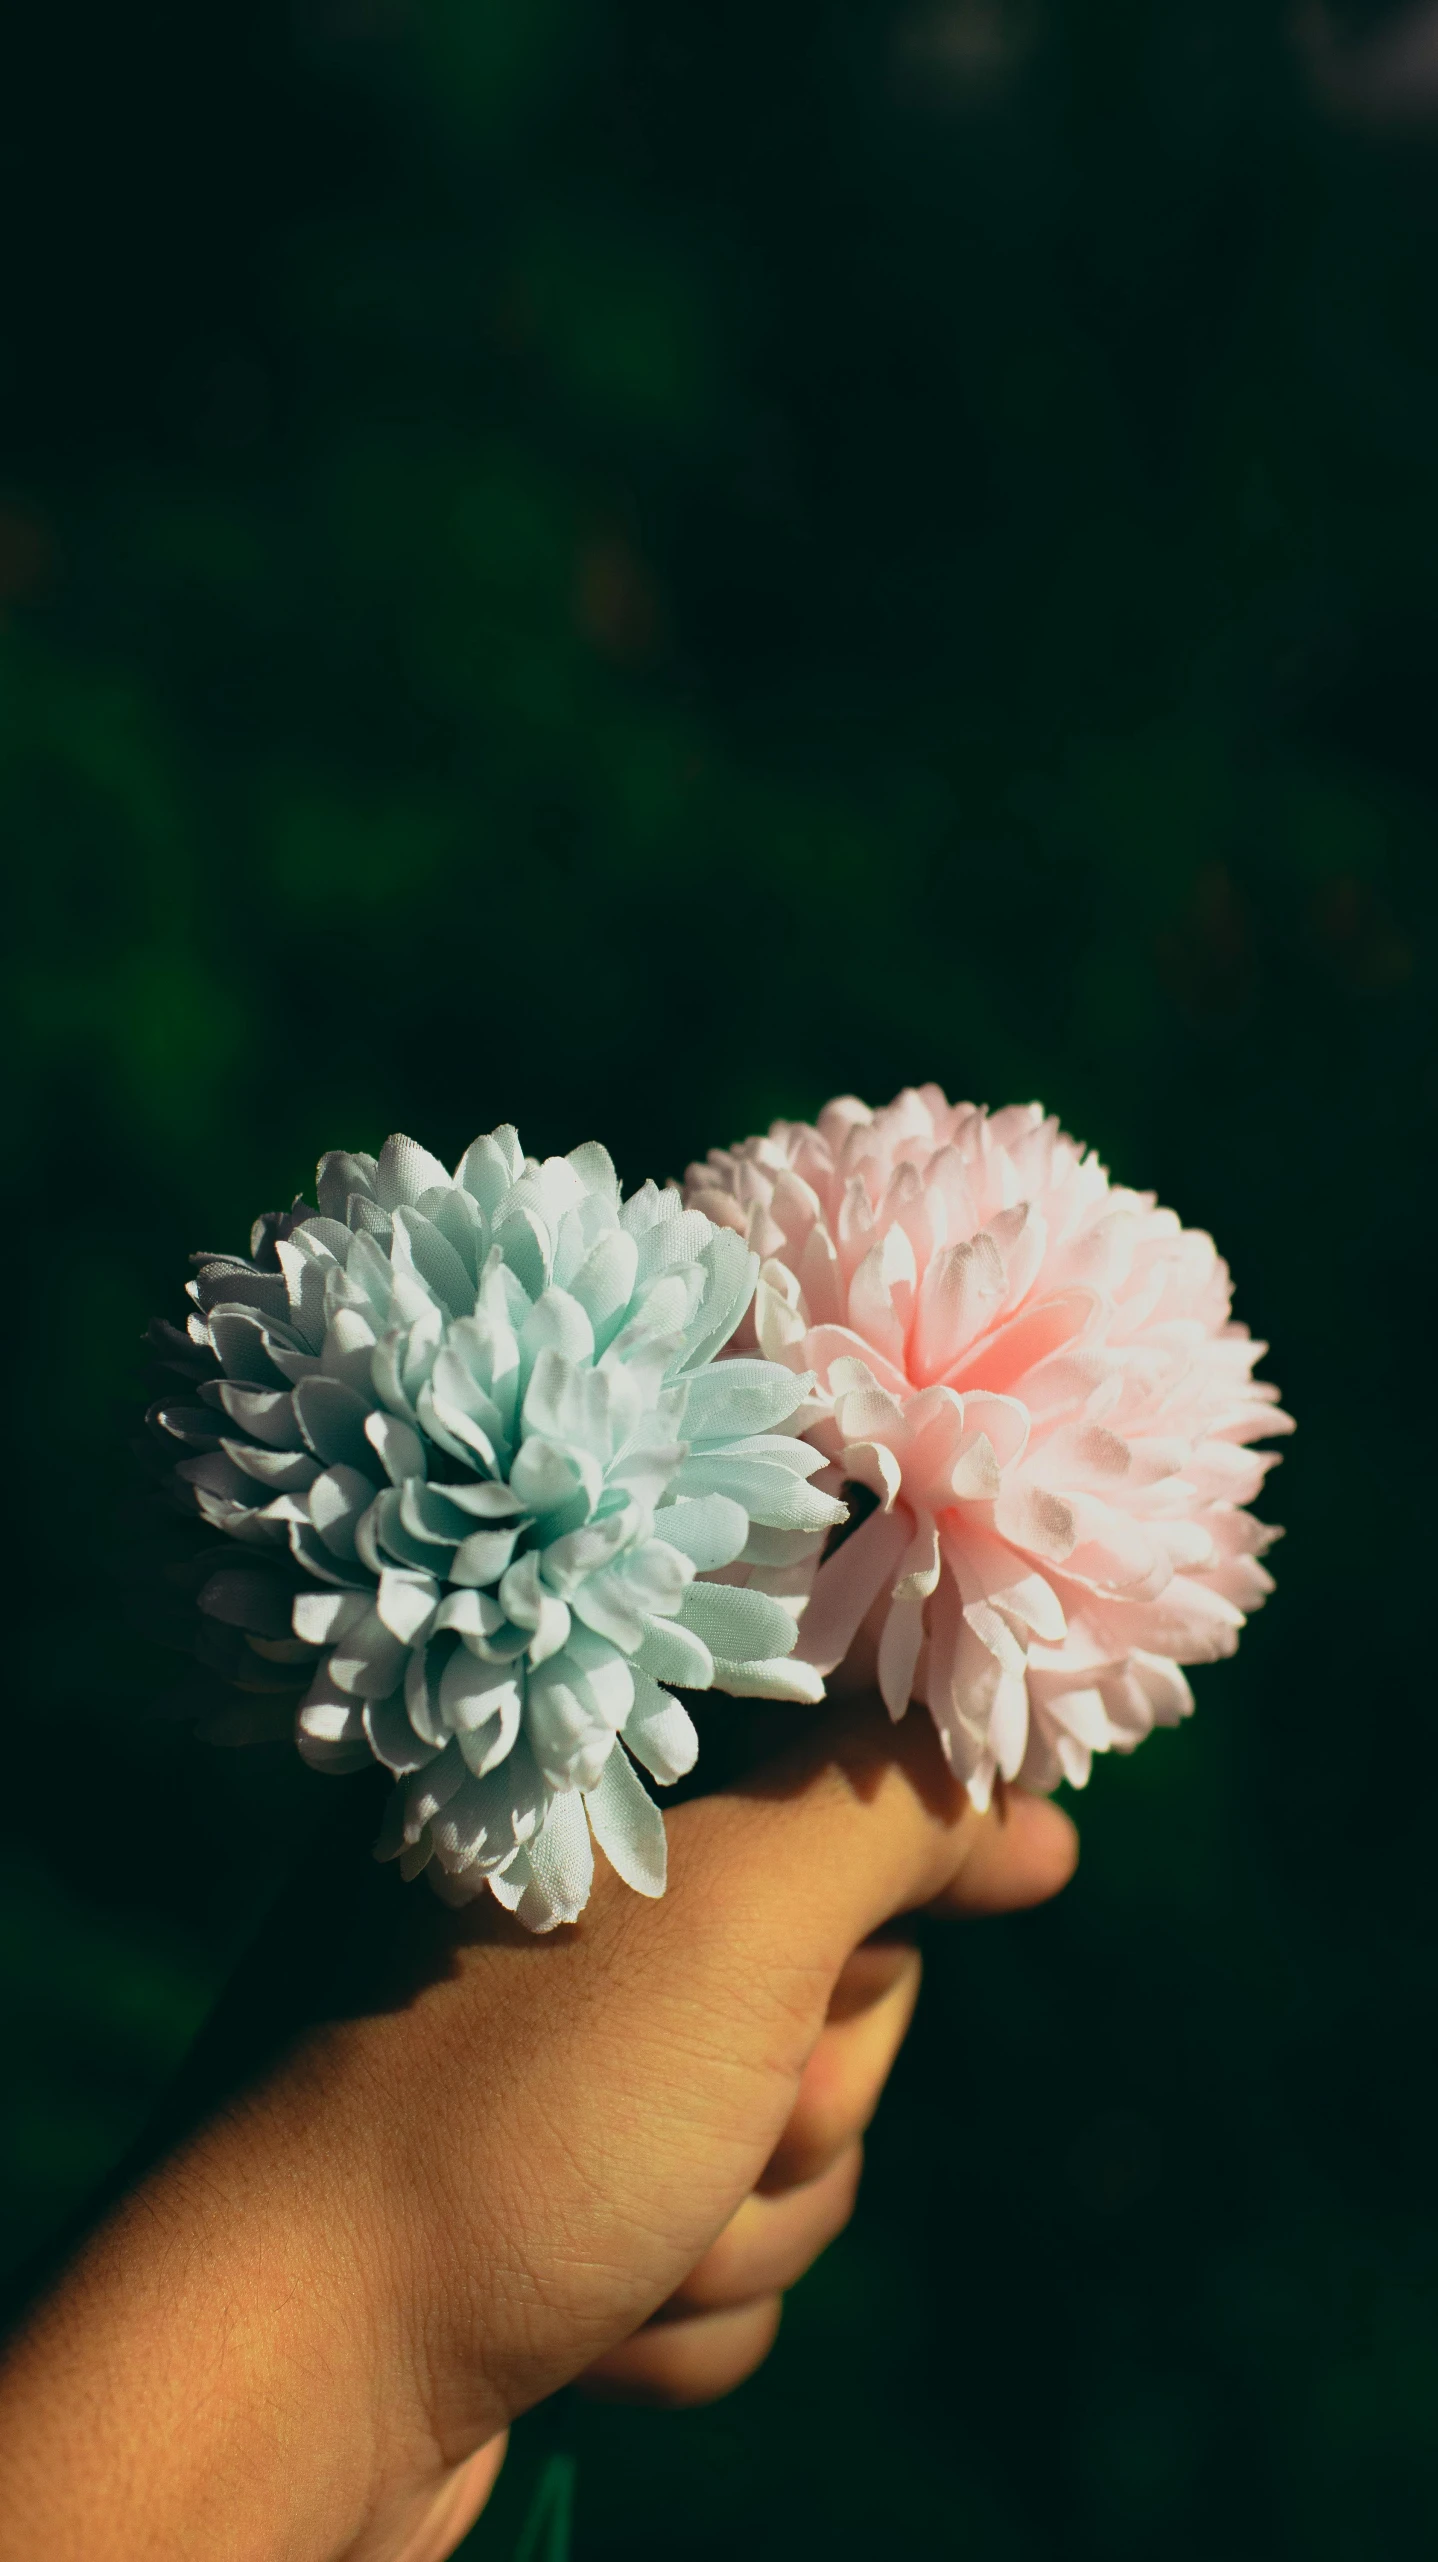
point(628, 1826)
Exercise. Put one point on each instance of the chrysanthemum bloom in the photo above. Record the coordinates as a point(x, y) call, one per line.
point(472, 1436)
point(1034, 1372)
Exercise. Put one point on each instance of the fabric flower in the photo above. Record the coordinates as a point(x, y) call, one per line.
point(478, 1469)
point(1033, 1372)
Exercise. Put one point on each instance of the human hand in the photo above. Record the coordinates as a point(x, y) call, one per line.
point(508, 2165)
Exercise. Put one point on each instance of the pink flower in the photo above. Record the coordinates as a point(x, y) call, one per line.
point(1035, 1373)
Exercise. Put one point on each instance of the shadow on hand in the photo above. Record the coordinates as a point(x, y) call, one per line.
point(347, 1937)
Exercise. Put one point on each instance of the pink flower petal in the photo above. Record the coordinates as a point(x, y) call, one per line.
point(1037, 1374)
point(845, 1586)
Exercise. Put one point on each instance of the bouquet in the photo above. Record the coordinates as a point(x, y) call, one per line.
point(489, 1467)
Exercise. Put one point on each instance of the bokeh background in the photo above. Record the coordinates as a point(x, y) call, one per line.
point(628, 568)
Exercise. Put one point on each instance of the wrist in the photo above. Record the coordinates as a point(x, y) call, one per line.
point(203, 2379)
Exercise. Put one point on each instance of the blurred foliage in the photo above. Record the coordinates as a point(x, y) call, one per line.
point(940, 495)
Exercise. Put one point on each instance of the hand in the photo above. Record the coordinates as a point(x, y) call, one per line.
point(506, 2165)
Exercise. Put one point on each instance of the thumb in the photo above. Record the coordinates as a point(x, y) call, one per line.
point(857, 1821)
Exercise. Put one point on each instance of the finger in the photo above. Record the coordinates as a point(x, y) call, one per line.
point(1027, 1852)
point(858, 1821)
point(672, 2365)
point(872, 1969)
point(456, 2507)
point(845, 2075)
point(769, 2242)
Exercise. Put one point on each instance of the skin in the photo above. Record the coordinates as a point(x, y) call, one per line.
point(473, 2168)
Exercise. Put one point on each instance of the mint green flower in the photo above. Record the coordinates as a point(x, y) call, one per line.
point(492, 1489)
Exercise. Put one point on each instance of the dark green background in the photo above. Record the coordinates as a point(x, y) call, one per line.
point(628, 566)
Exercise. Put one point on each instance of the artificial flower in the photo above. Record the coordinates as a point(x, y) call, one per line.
point(1033, 1372)
point(477, 1466)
